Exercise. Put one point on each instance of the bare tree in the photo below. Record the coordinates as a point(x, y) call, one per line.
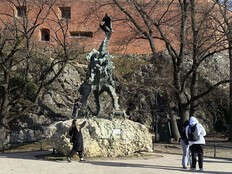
point(27, 68)
point(16, 48)
point(224, 21)
point(131, 15)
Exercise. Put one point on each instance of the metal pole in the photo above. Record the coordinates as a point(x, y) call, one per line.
point(156, 129)
point(41, 146)
point(3, 148)
point(214, 150)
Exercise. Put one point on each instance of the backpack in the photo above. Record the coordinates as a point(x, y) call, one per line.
point(192, 133)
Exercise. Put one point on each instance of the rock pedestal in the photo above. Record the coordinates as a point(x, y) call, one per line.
point(103, 137)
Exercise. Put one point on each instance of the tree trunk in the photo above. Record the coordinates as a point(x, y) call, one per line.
point(184, 113)
point(194, 92)
point(183, 107)
point(4, 110)
point(175, 130)
point(230, 57)
point(195, 50)
point(152, 45)
point(3, 129)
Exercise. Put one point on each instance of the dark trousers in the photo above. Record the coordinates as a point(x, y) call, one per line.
point(197, 151)
point(73, 151)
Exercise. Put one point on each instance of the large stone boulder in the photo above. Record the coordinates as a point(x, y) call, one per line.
point(103, 137)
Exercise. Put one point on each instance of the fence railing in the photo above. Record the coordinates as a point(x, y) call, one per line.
point(219, 147)
point(212, 149)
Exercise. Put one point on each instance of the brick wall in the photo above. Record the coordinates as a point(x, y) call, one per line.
point(77, 25)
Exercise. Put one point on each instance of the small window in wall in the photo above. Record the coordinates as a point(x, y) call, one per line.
point(65, 12)
point(21, 11)
point(81, 34)
point(45, 34)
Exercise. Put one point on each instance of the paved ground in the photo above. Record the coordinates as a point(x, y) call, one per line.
point(26, 163)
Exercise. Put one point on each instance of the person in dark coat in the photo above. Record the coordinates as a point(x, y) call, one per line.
point(77, 140)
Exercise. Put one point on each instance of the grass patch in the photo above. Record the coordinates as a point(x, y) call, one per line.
point(28, 147)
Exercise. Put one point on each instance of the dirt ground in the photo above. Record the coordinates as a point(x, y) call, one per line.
point(166, 159)
point(159, 163)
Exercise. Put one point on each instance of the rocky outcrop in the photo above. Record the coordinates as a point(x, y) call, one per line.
point(55, 104)
point(103, 137)
point(58, 100)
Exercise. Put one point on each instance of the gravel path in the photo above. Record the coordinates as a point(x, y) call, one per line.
point(26, 163)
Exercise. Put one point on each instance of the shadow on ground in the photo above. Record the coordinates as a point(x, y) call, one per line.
point(32, 155)
point(171, 168)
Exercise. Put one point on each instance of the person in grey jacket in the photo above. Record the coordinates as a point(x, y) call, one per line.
point(196, 146)
point(184, 145)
